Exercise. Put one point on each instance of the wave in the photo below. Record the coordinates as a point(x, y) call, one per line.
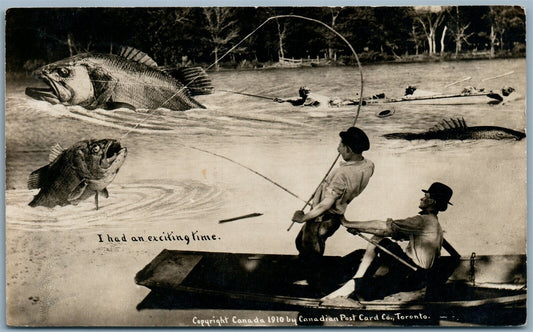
point(144, 202)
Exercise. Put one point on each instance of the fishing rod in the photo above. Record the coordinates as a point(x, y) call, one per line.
point(249, 94)
point(358, 104)
point(354, 122)
point(233, 48)
point(464, 79)
point(209, 67)
point(497, 76)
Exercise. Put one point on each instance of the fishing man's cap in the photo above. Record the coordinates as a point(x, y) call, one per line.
point(356, 139)
point(440, 193)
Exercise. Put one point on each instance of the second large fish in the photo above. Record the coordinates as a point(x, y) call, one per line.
point(456, 129)
point(130, 79)
point(79, 172)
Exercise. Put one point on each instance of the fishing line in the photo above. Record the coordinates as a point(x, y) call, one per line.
point(244, 39)
point(233, 48)
point(248, 168)
point(248, 94)
point(209, 67)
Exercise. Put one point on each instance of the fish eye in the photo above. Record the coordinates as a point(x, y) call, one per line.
point(95, 148)
point(63, 72)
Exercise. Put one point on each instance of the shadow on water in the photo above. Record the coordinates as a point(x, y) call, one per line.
point(483, 316)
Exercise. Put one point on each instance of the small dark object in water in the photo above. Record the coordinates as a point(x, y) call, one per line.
point(385, 113)
point(240, 217)
point(456, 129)
point(83, 170)
point(409, 90)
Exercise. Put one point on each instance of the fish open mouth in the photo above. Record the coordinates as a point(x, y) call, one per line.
point(52, 94)
point(114, 155)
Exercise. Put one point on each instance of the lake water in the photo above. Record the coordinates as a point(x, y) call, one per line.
point(167, 184)
point(178, 180)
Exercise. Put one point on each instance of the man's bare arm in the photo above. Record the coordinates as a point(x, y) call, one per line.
point(376, 227)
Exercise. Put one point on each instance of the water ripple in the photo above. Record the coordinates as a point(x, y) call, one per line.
point(145, 202)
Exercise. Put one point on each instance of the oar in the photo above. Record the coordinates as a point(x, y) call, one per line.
point(249, 94)
point(446, 245)
point(464, 79)
point(250, 215)
point(398, 258)
point(498, 76)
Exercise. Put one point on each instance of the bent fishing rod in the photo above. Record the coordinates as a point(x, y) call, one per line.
point(354, 122)
point(358, 104)
point(248, 36)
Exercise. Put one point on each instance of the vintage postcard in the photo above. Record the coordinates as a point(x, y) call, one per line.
point(266, 166)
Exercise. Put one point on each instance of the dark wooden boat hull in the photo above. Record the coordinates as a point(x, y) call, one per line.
point(451, 99)
point(472, 282)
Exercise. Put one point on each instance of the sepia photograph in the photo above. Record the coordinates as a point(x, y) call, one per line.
point(282, 166)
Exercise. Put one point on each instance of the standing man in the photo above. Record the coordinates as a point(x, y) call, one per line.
point(425, 237)
point(333, 196)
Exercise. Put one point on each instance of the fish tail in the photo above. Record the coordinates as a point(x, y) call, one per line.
point(33, 203)
point(194, 78)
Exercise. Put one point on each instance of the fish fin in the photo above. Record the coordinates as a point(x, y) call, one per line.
point(35, 180)
point(463, 122)
point(451, 124)
point(446, 124)
point(116, 105)
point(55, 151)
point(75, 195)
point(105, 193)
point(456, 124)
point(34, 202)
point(134, 54)
point(104, 86)
point(194, 78)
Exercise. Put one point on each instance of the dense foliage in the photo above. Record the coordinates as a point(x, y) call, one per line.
point(202, 35)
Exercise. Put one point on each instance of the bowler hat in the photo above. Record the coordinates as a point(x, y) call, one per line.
point(356, 139)
point(440, 193)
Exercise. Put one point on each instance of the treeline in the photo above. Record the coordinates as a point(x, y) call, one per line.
point(201, 35)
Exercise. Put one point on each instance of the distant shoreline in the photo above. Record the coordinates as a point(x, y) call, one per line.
point(365, 59)
point(371, 59)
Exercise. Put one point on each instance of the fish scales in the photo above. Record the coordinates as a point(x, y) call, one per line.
point(146, 87)
point(111, 81)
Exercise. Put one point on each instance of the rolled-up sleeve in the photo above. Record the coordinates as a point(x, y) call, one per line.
point(402, 228)
point(336, 188)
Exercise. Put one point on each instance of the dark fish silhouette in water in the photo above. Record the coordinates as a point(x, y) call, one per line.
point(83, 170)
point(456, 129)
point(131, 79)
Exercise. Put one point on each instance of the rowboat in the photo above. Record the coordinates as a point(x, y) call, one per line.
point(443, 99)
point(466, 97)
point(469, 285)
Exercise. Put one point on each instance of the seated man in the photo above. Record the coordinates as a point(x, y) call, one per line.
point(425, 237)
